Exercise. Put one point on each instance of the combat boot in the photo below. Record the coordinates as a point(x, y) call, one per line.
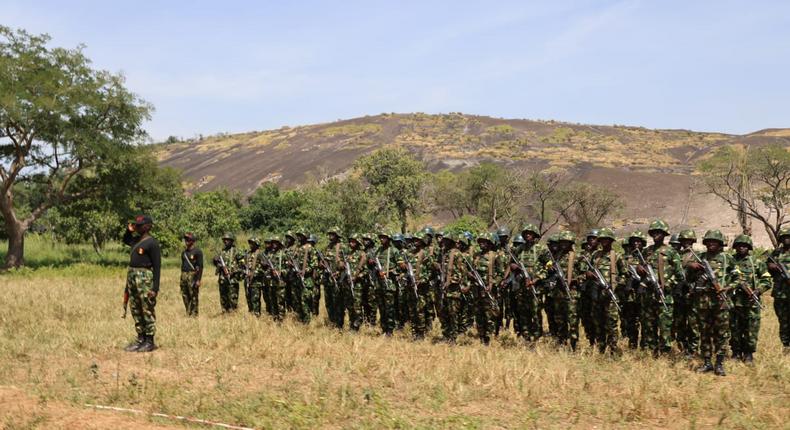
point(148, 345)
point(706, 366)
point(748, 358)
point(135, 345)
point(719, 369)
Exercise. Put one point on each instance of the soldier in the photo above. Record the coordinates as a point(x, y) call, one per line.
point(490, 269)
point(588, 289)
point(315, 298)
point(660, 272)
point(631, 289)
point(369, 285)
point(503, 234)
point(467, 310)
point(401, 309)
point(332, 275)
point(384, 264)
point(453, 279)
point(674, 242)
point(290, 250)
point(611, 267)
point(750, 280)
point(357, 265)
point(710, 302)
point(191, 273)
point(432, 251)
point(563, 266)
point(509, 288)
point(253, 277)
point(525, 295)
point(304, 263)
point(684, 321)
point(266, 265)
point(549, 283)
point(142, 281)
point(421, 267)
point(779, 265)
point(277, 268)
point(228, 266)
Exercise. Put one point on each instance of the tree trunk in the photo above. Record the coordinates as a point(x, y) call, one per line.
point(16, 244)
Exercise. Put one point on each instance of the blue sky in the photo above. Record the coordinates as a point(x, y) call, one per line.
point(236, 66)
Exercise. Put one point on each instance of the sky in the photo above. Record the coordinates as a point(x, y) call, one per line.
point(236, 66)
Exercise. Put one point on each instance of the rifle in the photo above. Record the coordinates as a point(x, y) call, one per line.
point(602, 282)
point(412, 280)
point(327, 270)
point(783, 274)
point(710, 275)
point(752, 295)
point(380, 270)
point(125, 301)
point(651, 277)
point(527, 278)
point(479, 281)
point(347, 268)
point(271, 265)
point(560, 275)
point(224, 268)
point(299, 274)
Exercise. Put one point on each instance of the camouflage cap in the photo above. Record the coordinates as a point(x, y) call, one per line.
point(367, 236)
point(190, 237)
point(530, 228)
point(228, 236)
point(290, 234)
point(554, 238)
point(784, 231)
point(384, 234)
point(687, 234)
point(334, 230)
point(593, 233)
point(301, 234)
point(567, 236)
point(606, 233)
point(355, 237)
point(743, 238)
point(503, 232)
point(674, 239)
point(716, 235)
point(519, 239)
point(637, 235)
point(659, 225)
point(254, 241)
point(275, 239)
point(486, 237)
point(450, 237)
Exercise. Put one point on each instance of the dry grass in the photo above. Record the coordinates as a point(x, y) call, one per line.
point(61, 339)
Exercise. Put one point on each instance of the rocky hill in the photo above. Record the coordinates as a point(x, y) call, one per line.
point(651, 169)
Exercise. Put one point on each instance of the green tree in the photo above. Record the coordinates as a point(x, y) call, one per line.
point(754, 182)
point(342, 203)
point(584, 206)
point(64, 126)
point(270, 209)
point(396, 178)
point(212, 213)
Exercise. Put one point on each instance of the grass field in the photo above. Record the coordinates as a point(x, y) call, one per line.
point(60, 347)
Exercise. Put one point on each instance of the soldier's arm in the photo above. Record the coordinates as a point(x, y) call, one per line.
point(198, 265)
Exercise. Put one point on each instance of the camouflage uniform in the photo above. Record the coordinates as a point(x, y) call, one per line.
point(292, 283)
point(357, 263)
point(402, 284)
point(656, 317)
point(711, 311)
point(229, 282)
point(547, 285)
point(467, 312)
point(254, 277)
point(606, 317)
point(752, 274)
point(588, 292)
point(684, 328)
point(526, 300)
point(422, 264)
point(370, 283)
point(629, 292)
point(566, 319)
point(306, 272)
point(490, 269)
point(276, 279)
point(781, 291)
point(333, 280)
point(389, 258)
point(191, 273)
point(454, 278)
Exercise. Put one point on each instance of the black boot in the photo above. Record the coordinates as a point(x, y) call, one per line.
point(135, 345)
point(748, 358)
point(719, 370)
point(706, 366)
point(148, 345)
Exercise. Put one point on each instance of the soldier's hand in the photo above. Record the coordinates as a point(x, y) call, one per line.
point(513, 267)
point(403, 266)
point(589, 275)
point(695, 266)
point(197, 284)
point(641, 270)
point(773, 267)
point(151, 294)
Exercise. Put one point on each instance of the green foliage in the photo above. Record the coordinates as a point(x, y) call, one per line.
point(270, 209)
point(559, 135)
point(397, 179)
point(345, 204)
point(469, 223)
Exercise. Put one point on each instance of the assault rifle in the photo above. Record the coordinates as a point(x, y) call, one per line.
point(602, 282)
point(527, 278)
point(479, 280)
point(327, 270)
point(224, 268)
point(271, 266)
point(560, 275)
point(783, 274)
point(651, 278)
point(412, 279)
point(299, 274)
point(712, 279)
point(348, 274)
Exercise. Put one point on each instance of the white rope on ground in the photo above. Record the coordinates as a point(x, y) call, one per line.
point(172, 417)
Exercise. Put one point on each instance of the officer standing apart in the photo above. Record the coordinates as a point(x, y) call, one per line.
point(191, 274)
point(142, 281)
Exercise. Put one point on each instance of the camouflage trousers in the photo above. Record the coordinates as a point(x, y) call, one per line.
point(466, 313)
point(656, 324)
point(547, 306)
point(486, 312)
point(140, 282)
point(303, 299)
point(274, 292)
point(566, 318)
point(315, 299)
point(349, 300)
point(333, 303)
point(607, 321)
point(450, 315)
point(385, 296)
point(369, 301)
point(782, 309)
point(526, 314)
point(228, 294)
point(254, 291)
point(629, 322)
point(744, 329)
point(189, 293)
point(714, 325)
point(418, 310)
point(586, 305)
point(681, 323)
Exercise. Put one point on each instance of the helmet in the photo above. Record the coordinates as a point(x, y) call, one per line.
point(714, 235)
point(408, 237)
point(428, 231)
point(334, 229)
point(312, 239)
point(567, 236)
point(254, 240)
point(555, 237)
point(383, 234)
point(637, 235)
point(275, 239)
point(593, 233)
point(397, 237)
point(519, 239)
point(745, 239)
point(785, 231)
point(659, 225)
point(465, 238)
point(468, 235)
point(367, 236)
point(687, 234)
point(452, 237)
point(485, 237)
point(605, 233)
point(290, 234)
point(675, 238)
point(531, 228)
point(503, 232)
point(228, 236)
point(440, 233)
point(355, 237)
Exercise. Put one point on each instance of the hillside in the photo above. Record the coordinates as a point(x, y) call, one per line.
point(651, 169)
